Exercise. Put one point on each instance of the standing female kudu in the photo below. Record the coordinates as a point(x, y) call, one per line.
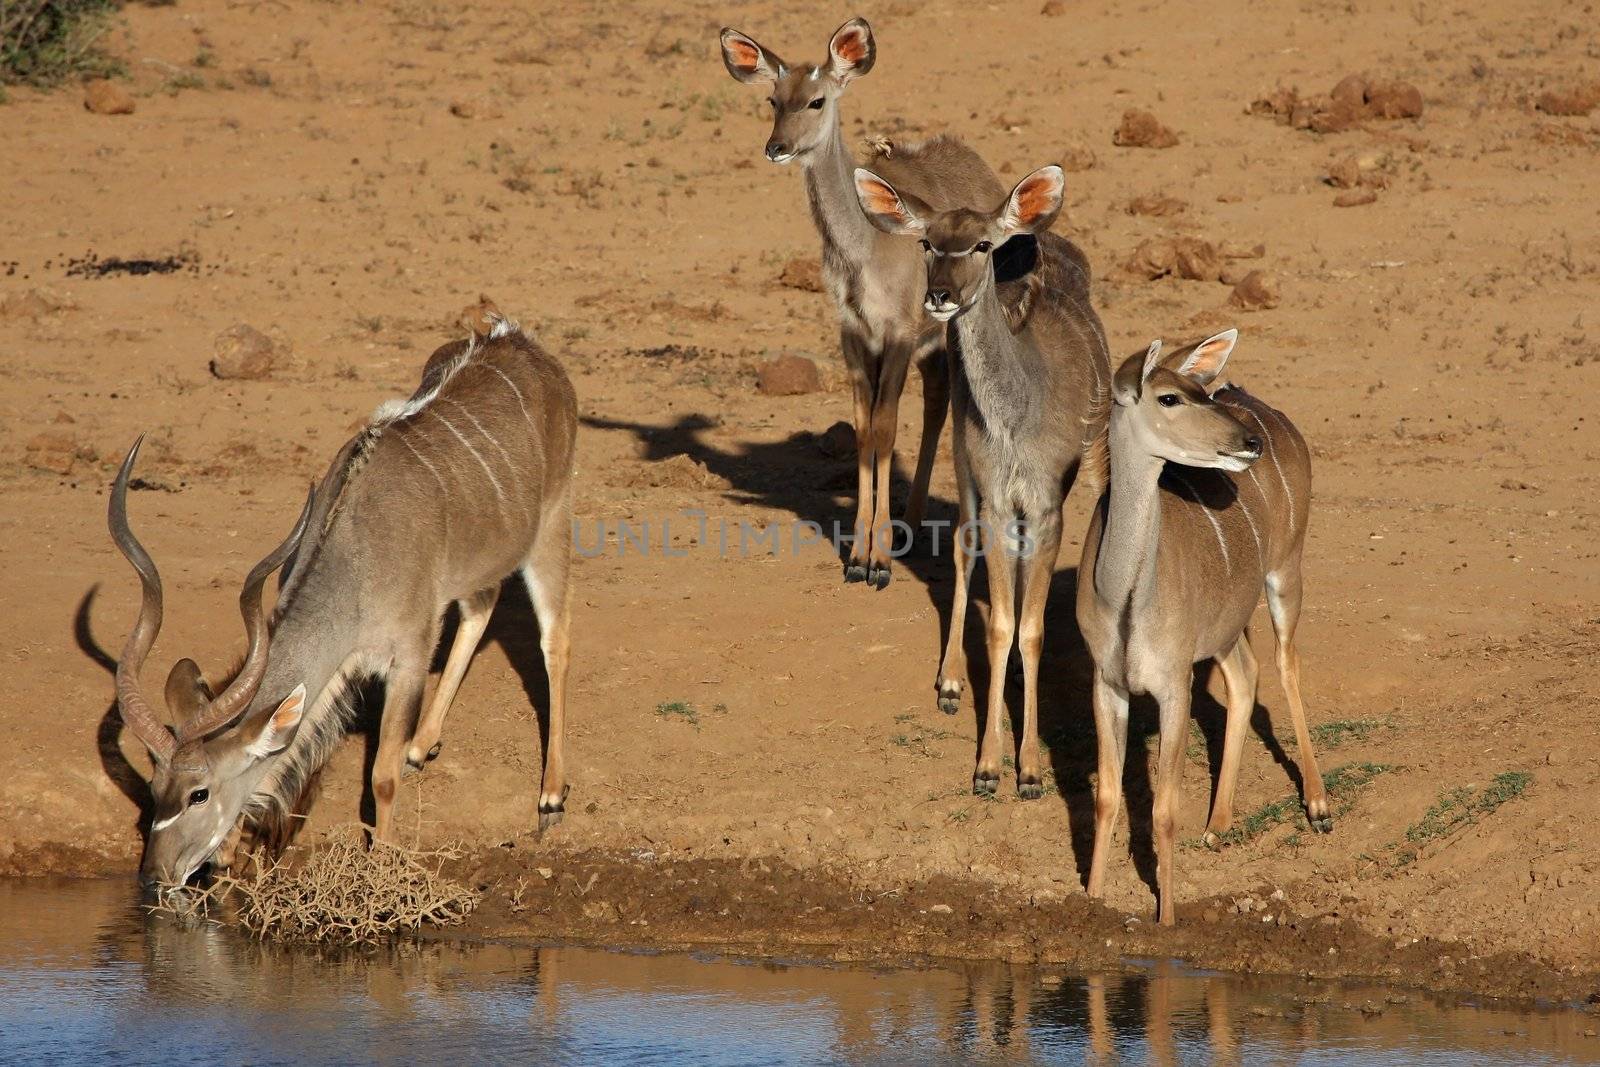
point(1189, 530)
point(1031, 380)
point(438, 500)
point(876, 281)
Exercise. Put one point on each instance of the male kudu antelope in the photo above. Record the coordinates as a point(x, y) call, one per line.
point(1030, 384)
point(438, 500)
point(877, 282)
point(1189, 530)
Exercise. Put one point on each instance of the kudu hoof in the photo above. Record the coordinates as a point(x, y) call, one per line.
point(855, 572)
point(433, 754)
point(984, 785)
point(878, 575)
point(1323, 825)
point(549, 820)
point(1031, 790)
point(1211, 840)
point(949, 700)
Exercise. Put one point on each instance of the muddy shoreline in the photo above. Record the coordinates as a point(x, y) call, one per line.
point(765, 909)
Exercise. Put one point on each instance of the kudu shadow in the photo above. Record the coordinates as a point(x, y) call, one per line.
point(108, 734)
point(800, 476)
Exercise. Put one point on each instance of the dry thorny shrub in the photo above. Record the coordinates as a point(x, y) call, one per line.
point(343, 892)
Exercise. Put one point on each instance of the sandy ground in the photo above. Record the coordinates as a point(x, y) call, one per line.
point(344, 178)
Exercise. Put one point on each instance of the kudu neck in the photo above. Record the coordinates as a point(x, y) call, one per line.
point(831, 189)
point(1126, 561)
point(996, 364)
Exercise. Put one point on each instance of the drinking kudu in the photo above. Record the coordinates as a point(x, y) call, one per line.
point(438, 500)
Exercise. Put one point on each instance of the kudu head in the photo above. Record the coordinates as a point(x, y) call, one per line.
point(1163, 407)
point(207, 768)
point(958, 244)
point(804, 98)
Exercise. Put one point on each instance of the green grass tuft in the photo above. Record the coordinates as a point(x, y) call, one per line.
point(1342, 784)
point(1458, 807)
point(45, 42)
point(681, 710)
point(1341, 732)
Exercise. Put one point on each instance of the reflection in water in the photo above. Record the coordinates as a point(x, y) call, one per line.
point(84, 975)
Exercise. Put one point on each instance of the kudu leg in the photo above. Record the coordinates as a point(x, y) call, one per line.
point(1283, 602)
point(953, 666)
point(1111, 737)
point(1001, 564)
point(1038, 567)
point(402, 695)
point(1168, 793)
point(935, 405)
point(885, 424)
point(861, 387)
point(1240, 672)
point(546, 575)
point(475, 612)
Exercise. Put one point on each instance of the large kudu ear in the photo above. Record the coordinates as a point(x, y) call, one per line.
point(1207, 359)
point(1035, 202)
point(1128, 384)
point(747, 61)
point(187, 692)
point(851, 50)
point(278, 728)
point(885, 208)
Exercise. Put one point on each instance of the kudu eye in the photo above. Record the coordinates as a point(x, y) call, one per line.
point(982, 247)
point(815, 105)
point(773, 101)
point(926, 247)
point(198, 797)
point(1169, 400)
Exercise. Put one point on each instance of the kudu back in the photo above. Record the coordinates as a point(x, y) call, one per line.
point(438, 500)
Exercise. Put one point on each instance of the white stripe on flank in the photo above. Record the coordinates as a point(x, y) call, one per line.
point(1222, 542)
point(1251, 519)
point(1272, 454)
point(507, 379)
point(498, 492)
point(424, 461)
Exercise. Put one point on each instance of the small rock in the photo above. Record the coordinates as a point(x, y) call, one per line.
point(107, 98)
point(940, 909)
point(803, 273)
point(788, 375)
point(1394, 100)
point(1344, 173)
point(475, 109)
point(1153, 258)
point(1141, 129)
point(1256, 291)
point(681, 471)
point(1350, 92)
point(56, 451)
point(1240, 250)
point(1570, 102)
point(1355, 198)
point(1197, 260)
point(243, 352)
point(838, 441)
point(1077, 157)
point(1158, 206)
point(33, 304)
point(546, 873)
point(1233, 274)
point(1053, 9)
